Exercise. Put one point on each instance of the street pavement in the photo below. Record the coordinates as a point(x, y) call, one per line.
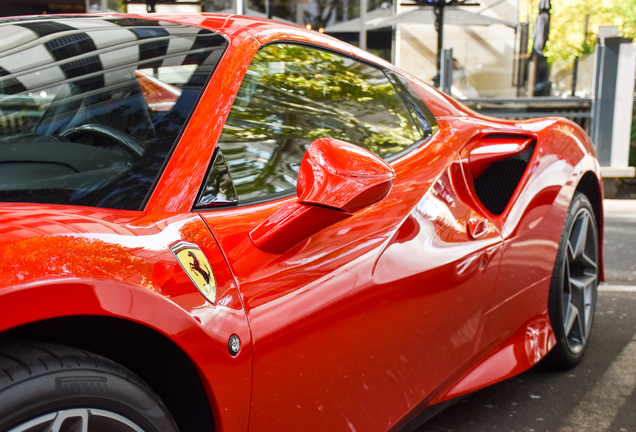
point(599, 395)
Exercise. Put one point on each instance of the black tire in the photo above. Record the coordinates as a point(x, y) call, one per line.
point(41, 384)
point(573, 289)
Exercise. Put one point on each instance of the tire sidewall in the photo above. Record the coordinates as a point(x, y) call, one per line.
point(565, 356)
point(81, 388)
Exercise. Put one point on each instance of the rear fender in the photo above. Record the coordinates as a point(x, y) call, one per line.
point(531, 225)
point(562, 155)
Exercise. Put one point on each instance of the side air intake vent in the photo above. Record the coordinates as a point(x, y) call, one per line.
point(496, 184)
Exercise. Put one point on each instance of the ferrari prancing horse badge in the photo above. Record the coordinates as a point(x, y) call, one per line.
point(197, 267)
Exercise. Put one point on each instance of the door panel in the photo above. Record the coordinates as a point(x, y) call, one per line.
point(525, 176)
point(387, 302)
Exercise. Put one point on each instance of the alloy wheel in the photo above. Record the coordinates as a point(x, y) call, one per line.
point(79, 420)
point(580, 279)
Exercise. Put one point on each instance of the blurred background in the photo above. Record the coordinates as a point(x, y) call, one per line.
point(513, 59)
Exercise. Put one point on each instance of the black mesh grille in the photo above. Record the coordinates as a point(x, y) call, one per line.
point(495, 186)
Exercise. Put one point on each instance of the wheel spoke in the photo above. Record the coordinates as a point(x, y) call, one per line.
point(570, 251)
point(570, 318)
point(79, 420)
point(589, 310)
point(581, 282)
point(588, 262)
point(580, 278)
point(567, 291)
point(578, 302)
point(579, 236)
point(75, 420)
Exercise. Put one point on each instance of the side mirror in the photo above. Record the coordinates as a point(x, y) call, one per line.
point(336, 179)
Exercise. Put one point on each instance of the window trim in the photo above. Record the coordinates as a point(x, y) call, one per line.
point(407, 94)
point(424, 117)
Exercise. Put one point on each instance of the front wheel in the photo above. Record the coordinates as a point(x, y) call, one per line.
point(573, 288)
point(46, 387)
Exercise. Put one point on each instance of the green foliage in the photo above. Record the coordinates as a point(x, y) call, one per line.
point(567, 24)
point(116, 5)
point(317, 95)
point(293, 95)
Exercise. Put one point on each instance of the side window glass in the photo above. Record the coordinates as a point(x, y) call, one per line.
point(425, 119)
point(218, 188)
point(292, 95)
point(90, 107)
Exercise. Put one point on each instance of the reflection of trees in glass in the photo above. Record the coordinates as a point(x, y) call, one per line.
point(293, 95)
point(116, 5)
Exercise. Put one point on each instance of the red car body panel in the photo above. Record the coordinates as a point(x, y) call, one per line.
point(59, 261)
point(349, 329)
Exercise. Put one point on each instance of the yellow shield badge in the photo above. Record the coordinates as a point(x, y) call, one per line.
point(197, 267)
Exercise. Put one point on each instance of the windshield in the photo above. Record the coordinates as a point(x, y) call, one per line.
point(90, 107)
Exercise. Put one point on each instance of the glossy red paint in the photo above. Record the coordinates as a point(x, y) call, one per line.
point(367, 312)
point(292, 224)
point(336, 179)
point(343, 176)
point(391, 264)
point(177, 188)
point(59, 261)
point(493, 149)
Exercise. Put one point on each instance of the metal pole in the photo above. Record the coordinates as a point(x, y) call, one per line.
point(532, 70)
point(439, 26)
point(597, 92)
point(395, 49)
point(446, 73)
point(575, 71)
point(300, 14)
point(239, 7)
point(575, 67)
point(515, 57)
point(363, 24)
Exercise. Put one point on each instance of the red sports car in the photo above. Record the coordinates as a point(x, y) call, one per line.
point(222, 223)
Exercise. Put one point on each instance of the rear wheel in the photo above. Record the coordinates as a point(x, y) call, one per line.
point(46, 387)
point(573, 289)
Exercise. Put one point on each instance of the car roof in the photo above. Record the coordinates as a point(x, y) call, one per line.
point(242, 27)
